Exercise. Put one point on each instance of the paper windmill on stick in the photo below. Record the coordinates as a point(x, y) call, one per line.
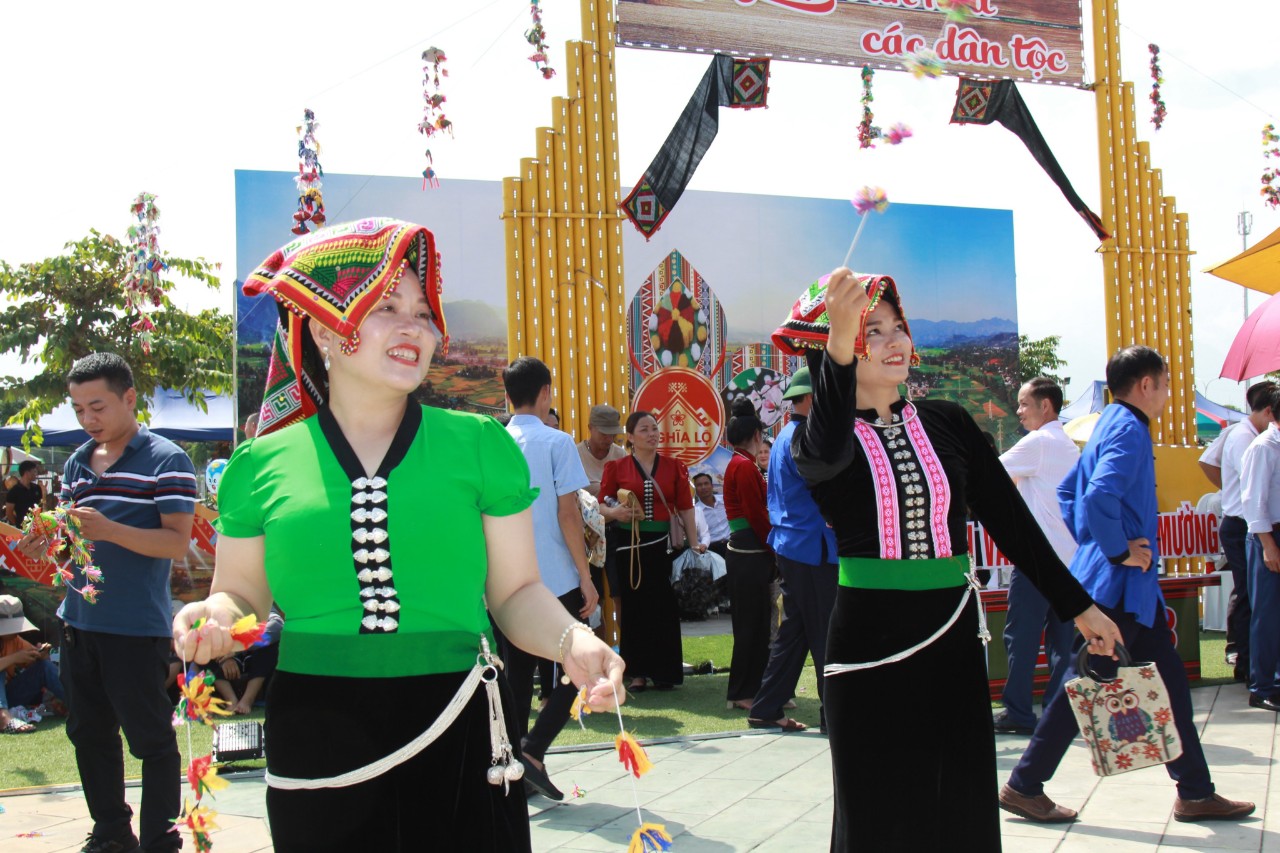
point(433, 117)
point(309, 177)
point(142, 285)
point(867, 200)
point(200, 703)
point(62, 530)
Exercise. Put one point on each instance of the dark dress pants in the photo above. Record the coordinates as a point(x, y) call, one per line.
point(1057, 727)
point(1029, 615)
point(749, 572)
point(520, 669)
point(115, 682)
point(1264, 639)
point(1233, 532)
point(808, 594)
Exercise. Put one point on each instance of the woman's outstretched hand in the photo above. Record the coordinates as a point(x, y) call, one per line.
point(846, 300)
point(590, 662)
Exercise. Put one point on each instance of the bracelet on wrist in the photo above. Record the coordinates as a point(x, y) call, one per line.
point(573, 626)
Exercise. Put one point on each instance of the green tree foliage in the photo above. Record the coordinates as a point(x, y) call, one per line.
point(1040, 358)
point(65, 307)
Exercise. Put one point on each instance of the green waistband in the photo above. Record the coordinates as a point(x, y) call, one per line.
point(870, 573)
point(738, 524)
point(647, 526)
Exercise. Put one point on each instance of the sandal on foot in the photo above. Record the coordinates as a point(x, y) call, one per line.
point(637, 685)
point(786, 724)
point(739, 704)
point(18, 727)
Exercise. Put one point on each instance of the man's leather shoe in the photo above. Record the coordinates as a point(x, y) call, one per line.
point(1040, 809)
point(1004, 725)
point(537, 779)
point(1216, 807)
point(1266, 703)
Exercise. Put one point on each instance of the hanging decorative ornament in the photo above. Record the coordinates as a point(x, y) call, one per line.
point(309, 178)
point(198, 703)
point(62, 530)
point(1158, 110)
point(433, 117)
point(142, 285)
point(897, 134)
point(866, 132)
point(867, 200)
point(537, 37)
point(957, 11)
point(1270, 193)
point(925, 63)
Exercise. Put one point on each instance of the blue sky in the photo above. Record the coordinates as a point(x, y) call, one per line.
point(757, 252)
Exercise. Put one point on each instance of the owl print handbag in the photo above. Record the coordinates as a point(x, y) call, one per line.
point(1127, 721)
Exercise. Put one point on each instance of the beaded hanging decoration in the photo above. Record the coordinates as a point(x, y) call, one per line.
point(62, 529)
point(199, 703)
point(309, 177)
point(1158, 111)
point(1270, 193)
point(433, 117)
point(537, 37)
point(142, 284)
point(867, 134)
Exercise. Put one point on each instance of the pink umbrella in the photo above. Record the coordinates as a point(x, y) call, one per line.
point(1256, 349)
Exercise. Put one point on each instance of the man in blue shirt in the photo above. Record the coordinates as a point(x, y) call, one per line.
point(134, 495)
point(805, 548)
point(1108, 502)
point(555, 469)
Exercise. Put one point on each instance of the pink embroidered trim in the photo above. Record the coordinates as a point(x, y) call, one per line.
point(886, 491)
point(936, 478)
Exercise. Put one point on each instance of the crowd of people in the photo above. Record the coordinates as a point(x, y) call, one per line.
point(423, 596)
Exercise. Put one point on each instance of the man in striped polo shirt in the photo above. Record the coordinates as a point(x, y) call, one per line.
point(134, 494)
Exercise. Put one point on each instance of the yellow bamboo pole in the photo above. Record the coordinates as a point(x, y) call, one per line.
point(1106, 62)
point(533, 282)
point(515, 280)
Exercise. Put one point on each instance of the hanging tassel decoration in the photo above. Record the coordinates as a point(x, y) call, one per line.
point(309, 179)
point(1270, 193)
point(537, 38)
point(62, 529)
point(867, 200)
point(1158, 111)
point(580, 708)
point(199, 820)
point(433, 99)
point(649, 838)
point(632, 755)
point(142, 285)
point(866, 132)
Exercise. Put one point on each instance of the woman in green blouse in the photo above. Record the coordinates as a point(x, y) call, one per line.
point(388, 533)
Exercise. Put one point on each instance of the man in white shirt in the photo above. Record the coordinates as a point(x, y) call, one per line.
point(556, 471)
point(1260, 500)
point(1232, 527)
point(708, 509)
point(1037, 463)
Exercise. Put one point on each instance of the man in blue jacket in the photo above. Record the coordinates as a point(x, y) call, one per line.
point(1109, 504)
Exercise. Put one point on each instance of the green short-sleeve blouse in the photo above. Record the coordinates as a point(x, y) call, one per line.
point(377, 576)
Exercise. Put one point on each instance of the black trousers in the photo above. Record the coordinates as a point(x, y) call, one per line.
point(115, 682)
point(1233, 532)
point(748, 577)
point(808, 593)
point(520, 668)
point(440, 799)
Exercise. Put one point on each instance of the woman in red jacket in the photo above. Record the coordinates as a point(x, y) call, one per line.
point(750, 563)
point(650, 616)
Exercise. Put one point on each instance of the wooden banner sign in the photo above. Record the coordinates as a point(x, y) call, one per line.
point(1040, 41)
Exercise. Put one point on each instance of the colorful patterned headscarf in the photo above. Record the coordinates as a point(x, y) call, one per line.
point(334, 276)
point(808, 327)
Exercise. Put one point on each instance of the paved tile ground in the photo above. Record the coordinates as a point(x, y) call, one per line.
point(772, 793)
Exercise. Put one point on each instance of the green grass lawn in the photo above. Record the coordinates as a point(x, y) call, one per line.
point(698, 707)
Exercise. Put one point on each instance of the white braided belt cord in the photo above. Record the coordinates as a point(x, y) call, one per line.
point(401, 755)
point(983, 634)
